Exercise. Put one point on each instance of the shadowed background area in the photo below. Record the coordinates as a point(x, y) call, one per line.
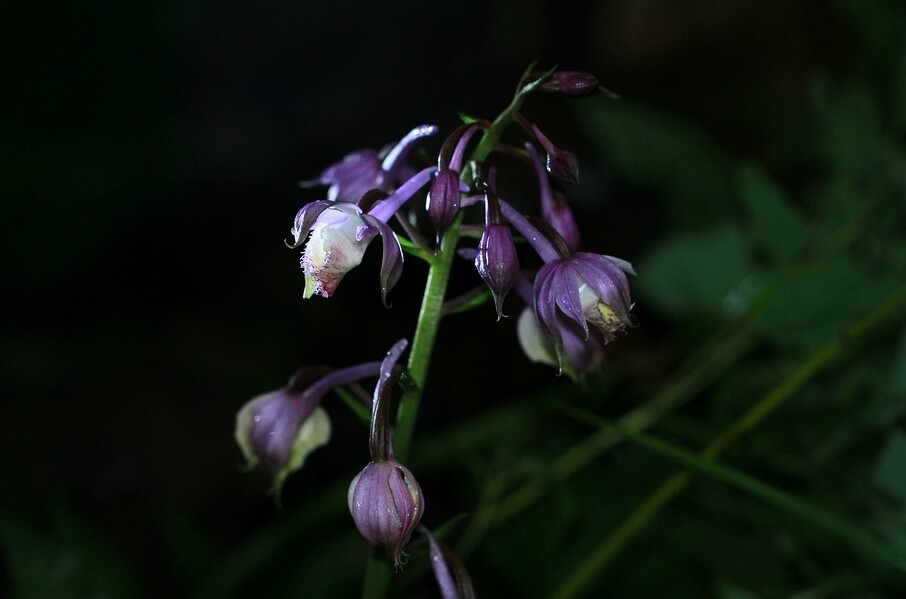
point(150, 157)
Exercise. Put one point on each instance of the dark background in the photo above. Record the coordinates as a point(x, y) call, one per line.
point(150, 157)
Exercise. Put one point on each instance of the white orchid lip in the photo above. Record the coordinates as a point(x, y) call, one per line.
point(336, 246)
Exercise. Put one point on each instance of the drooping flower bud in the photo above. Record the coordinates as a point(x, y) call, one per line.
point(280, 429)
point(561, 164)
point(443, 198)
point(553, 207)
point(496, 260)
point(571, 83)
point(386, 503)
point(384, 499)
point(442, 202)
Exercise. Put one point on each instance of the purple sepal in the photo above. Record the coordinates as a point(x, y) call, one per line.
point(350, 178)
point(392, 260)
point(394, 159)
point(274, 422)
point(442, 202)
point(305, 220)
point(497, 262)
point(386, 503)
point(561, 164)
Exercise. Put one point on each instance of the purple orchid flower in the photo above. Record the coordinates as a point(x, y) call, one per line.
point(582, 287)
point(581, 355)
point(281, 428)
point(363, 170)
point(338, 233)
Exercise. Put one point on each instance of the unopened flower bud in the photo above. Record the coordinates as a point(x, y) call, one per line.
point(572, 83)
point(386, 504)
point(561, 164)
point(497, 262)
point(280, 429)
point(442, 202)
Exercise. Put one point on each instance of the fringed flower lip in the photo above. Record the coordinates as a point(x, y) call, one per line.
point(336, 235)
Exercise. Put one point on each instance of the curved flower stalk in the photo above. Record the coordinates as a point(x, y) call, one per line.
point(363, 170)
point(341, 231)
point(281, 428)
point(385, 500)
point(553, 209)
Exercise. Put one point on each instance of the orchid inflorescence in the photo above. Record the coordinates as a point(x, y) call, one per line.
point(575, 302)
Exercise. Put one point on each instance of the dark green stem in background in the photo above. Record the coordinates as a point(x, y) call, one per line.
point(649, 508)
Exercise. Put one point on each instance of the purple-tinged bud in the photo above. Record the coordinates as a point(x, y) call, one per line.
point(497, 262)
point(442, 202)
point(572, 83)
point(280, 429)
point(386, 503)
point(561, 164)
point(452, 578)
point(553, 207)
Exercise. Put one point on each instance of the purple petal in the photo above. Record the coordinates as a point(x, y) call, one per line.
point(545, 308)
point(305, 219)
point(394, 159)
point(441, 571)
point(565, 288)
point(386, 208)
point(392, 261)
point(607, 278)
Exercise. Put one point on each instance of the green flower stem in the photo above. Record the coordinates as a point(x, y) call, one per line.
point(703, 367)
point(769, 493)
point(429, 319)
point(649, 508)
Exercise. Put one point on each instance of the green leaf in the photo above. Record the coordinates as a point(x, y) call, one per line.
point(820, 301)
point(662, 153)
point(71, 560)
point(696, 273)
point(890, 471)
point(775, 226)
